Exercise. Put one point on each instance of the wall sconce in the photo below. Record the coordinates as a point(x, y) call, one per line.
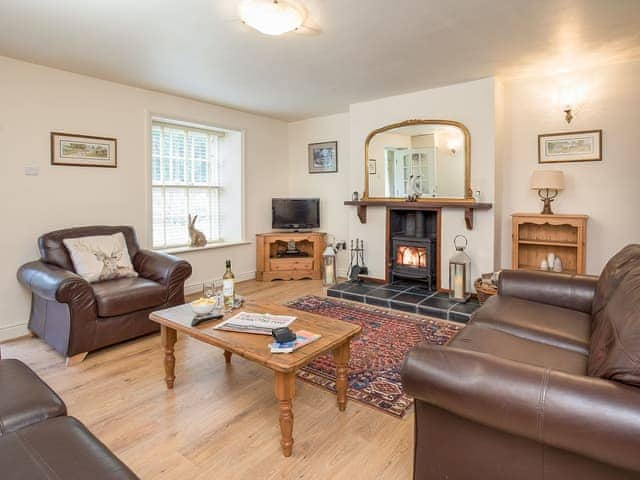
point(568, 113)
point(570, 96)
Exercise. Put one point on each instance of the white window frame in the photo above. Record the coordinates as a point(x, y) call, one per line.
point(189, 183)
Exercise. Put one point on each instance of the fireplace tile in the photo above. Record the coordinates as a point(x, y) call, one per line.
point(379, 302)
point(406, 297)
point(405, 307)
point(468, 308)
point(439, 300)
point(356, 297)
point(334, 292)
point(383, 293)
point(422, 290)
point(433, 312)
point(459, 317)
point(340, 286)
point(361, 289)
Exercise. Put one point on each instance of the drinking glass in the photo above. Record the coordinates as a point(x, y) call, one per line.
point(217, 292)
point(208, 289)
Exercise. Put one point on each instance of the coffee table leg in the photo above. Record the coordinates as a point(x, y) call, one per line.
point(341, 359)
point(227, 356)
point(169, 337)
point(285, 391)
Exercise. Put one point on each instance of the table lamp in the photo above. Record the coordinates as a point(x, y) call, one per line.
point(548, 183)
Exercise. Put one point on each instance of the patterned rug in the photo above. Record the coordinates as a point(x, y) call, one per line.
point(377, 354)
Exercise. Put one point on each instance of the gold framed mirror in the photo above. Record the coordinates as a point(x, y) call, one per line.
point(418, 160)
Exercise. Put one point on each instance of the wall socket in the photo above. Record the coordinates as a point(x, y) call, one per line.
point(31, 170)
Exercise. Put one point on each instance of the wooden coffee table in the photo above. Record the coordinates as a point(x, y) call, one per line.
point(335, 337)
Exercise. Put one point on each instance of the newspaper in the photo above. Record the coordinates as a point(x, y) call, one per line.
point(260, 323)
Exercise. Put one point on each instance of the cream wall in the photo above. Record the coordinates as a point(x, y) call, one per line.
point(331, 188)
point(607, 191)
point(36, 100)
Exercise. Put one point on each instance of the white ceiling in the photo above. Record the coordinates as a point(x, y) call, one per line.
point(351, 50)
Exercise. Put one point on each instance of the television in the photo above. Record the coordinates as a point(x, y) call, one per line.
point(295, 213)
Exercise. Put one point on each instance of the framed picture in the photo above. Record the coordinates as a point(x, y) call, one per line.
point(371, 166)
point(83, 150)
point(323, 157)
point(570, 147)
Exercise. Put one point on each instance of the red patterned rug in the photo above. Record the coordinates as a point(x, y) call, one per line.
point(377, 354)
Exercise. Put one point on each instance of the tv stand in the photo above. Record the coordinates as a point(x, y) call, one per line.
point(276, 260)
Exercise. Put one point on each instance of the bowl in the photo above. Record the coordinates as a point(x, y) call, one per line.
point(203, 306)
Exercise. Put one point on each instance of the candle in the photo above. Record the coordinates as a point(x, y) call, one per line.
point(458, 284)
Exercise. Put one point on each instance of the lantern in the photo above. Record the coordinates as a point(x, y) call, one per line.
point(329, 266)
point(460, 272)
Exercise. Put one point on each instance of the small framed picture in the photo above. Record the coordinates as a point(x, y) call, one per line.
point(83, 150)
point(371, 166)
point(570, 147)
point(323, 157)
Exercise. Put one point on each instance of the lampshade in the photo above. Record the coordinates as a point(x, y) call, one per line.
point(551, 179)
point(271, 17)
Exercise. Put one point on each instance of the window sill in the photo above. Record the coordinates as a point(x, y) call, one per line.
point(209, 246)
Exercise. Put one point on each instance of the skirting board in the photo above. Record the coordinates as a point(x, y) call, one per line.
point(13, 332)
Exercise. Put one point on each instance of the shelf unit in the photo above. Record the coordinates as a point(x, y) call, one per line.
point(535, 235)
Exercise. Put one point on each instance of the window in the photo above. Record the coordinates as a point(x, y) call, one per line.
point(185, 173)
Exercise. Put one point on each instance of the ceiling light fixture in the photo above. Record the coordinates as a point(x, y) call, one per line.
point(271, 17)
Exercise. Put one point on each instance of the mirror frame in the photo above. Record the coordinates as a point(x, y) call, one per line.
point(467, 161)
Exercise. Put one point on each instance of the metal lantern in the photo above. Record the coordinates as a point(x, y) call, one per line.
point(460, 272)
point(329, 266)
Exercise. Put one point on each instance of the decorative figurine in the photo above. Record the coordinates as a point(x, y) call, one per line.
point(557, 265)
point(197, 237)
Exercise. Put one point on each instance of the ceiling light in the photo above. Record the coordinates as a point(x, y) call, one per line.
point(271, 17)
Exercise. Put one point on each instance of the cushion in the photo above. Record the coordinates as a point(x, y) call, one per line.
point(101, 257)
point(60, 448)
point(615, 343)
point(478, 338)
point(540, 322)
point(126, 295)
point(24, 397)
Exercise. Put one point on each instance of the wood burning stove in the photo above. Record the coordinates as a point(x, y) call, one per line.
point(413, 246)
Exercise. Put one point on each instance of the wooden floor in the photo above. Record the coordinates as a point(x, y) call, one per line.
point(220, 422)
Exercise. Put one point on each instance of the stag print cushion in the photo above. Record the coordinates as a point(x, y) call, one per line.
point(102, 257)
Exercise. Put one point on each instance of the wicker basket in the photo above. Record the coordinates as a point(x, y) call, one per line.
point(484, 291)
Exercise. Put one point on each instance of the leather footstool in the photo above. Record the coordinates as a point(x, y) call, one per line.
point(24, 398)
point(59, 448)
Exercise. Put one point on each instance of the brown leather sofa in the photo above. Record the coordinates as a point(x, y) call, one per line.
point(76, 317)
point(542, 384)
point(39, 442)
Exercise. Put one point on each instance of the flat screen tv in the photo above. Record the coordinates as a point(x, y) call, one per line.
point(295, 213)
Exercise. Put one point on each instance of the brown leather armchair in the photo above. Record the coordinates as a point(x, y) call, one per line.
point(544, 382)
point(76, 317)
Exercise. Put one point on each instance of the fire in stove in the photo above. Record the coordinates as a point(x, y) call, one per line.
point(411, 256)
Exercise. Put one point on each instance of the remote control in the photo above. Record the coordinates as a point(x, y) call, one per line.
point(203, 318)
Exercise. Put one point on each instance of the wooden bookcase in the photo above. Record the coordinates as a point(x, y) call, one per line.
point(535, 235)
point(271, 264)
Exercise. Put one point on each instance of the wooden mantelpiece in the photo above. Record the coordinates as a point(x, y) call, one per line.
point(468, 206)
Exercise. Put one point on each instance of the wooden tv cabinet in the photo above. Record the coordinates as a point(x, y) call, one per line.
point(272, 262)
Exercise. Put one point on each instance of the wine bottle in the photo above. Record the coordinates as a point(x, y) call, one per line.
point(228, 291)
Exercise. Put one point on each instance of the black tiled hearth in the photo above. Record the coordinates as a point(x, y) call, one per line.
point(407, 297)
